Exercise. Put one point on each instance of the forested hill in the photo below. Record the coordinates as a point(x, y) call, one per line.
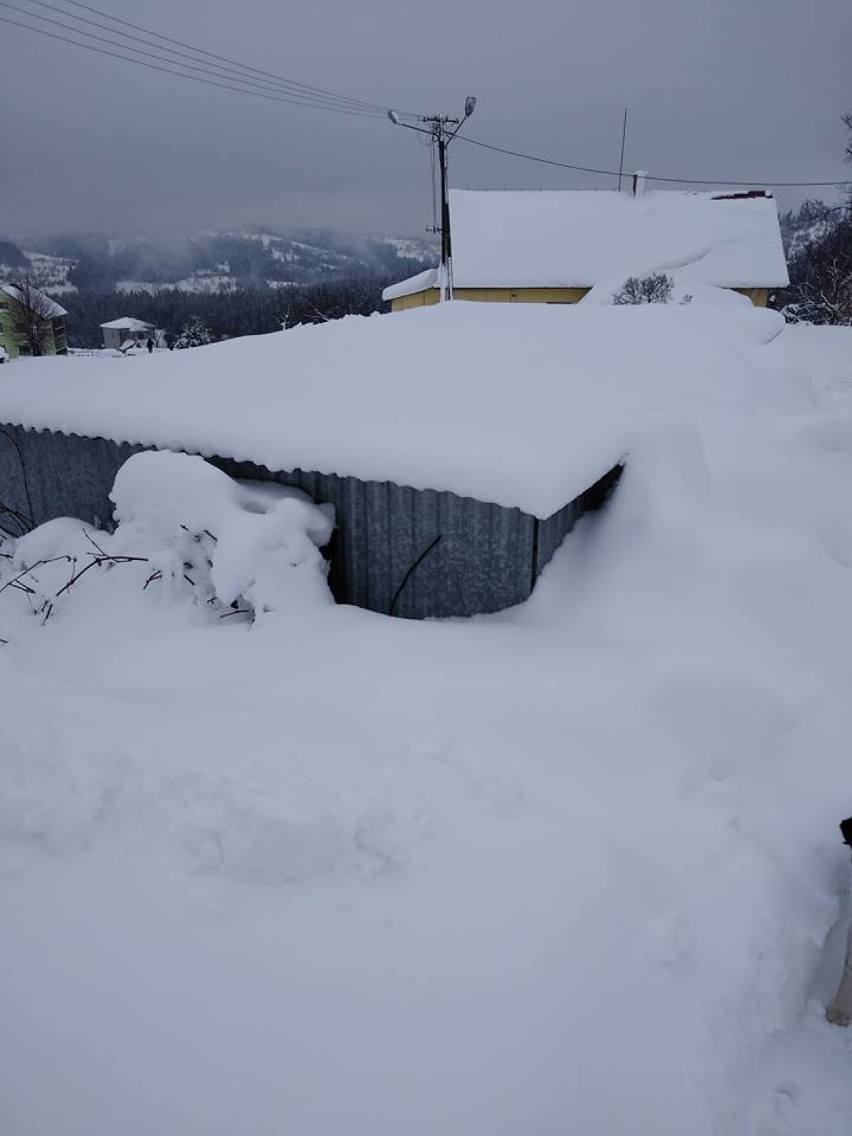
point(210, 262)
point(243, 311)
point(241, 282)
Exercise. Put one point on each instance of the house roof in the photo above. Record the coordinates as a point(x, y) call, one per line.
point(419, 283)
point(52, 309)
point(582, 238)
point(127, 323)
point(523, 405)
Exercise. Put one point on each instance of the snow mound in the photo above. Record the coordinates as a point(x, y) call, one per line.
point(541, 859)
point(263, 839)
point(63, 536)
point(194, 523)
point(186, 528)
point(522, 405)
point(53, 797)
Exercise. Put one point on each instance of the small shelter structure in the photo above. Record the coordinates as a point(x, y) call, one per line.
point(553, 246)
point(126, 332)
point(458, 444)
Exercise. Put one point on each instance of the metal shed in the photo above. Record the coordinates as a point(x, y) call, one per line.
point(400, 551)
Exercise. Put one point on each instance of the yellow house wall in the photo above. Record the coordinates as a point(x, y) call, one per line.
point(522, 295)
point(758, 296)
point(415, 300)
point(493, 296)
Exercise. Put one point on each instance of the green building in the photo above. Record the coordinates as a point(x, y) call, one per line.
point(31, 323)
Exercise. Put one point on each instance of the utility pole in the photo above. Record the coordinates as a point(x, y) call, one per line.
point(441, 130)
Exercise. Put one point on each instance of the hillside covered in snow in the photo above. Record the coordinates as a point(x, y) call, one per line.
point(214, 261)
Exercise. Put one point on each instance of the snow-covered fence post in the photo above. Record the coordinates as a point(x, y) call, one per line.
point(839, 1013)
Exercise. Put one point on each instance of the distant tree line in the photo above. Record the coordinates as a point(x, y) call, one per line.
point(246, 311)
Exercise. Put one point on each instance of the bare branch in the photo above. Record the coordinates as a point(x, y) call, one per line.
point(97, 562)
point(38, 564)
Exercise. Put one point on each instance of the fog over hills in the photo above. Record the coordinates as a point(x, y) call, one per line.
point(208, 262)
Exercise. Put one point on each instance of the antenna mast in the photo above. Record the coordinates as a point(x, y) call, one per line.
point(623, 139)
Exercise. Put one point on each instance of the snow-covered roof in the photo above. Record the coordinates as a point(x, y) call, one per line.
point(523, 405)
point(580, 238)
point(127, 323)
point(419, 283)
point(52, 310)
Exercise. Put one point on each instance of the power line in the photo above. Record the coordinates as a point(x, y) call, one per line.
point(253, 84)
point(280, 89)
point(239, 72)
point(649, 177)
point(242, 78)
point(175, 70)
point(244, 66)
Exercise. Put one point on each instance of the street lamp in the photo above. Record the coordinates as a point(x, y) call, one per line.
point(438, 128)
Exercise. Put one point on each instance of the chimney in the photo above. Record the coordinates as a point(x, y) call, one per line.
point(639, 183)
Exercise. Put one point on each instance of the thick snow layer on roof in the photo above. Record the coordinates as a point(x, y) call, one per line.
point(576, 239)
point(522, 405)
point(52, 310)
point(127, 323)
point(419, 283)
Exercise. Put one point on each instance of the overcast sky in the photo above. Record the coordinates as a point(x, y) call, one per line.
point(716, 89)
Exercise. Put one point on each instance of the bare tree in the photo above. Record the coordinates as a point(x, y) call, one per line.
point(654, 289)
point(847, 122)
point(821, 280)
point(820, 288)
point(32, 314)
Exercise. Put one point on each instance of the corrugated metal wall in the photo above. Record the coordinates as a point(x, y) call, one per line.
point(552, 532)
point(481, 563)
point(396, 550)
point(59, 475)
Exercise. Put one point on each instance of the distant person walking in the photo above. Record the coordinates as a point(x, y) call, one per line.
point(150, 345)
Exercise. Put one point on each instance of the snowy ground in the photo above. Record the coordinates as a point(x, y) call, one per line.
point(572, 869)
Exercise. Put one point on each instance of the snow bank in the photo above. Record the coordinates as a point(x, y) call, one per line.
point(571, 868)
point(63, 536)
point(519, 404)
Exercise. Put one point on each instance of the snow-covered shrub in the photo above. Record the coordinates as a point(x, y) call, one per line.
point(185, 529)
point(235, 544)
point(194, 333)
point(654, 289)
point(43, 564)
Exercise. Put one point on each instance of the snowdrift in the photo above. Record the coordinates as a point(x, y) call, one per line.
point(521, 405)
point(571, 868)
